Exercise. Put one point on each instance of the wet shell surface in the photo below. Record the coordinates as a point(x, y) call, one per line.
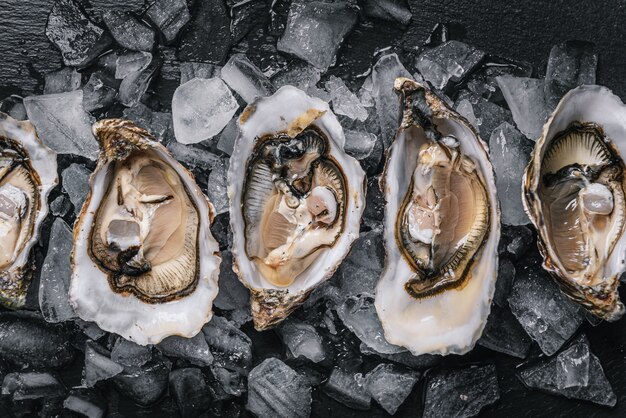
point(442, 228)
point(145, 264)
point(296, 200)
point(574, 195)
point(28, 172)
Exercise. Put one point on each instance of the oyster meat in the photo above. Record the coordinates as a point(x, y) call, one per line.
point(574, 195)
point(145, 264)
point(296, 200)
point(442, 228)
point(28, 172)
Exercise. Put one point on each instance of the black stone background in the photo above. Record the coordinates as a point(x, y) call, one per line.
point(520, 30)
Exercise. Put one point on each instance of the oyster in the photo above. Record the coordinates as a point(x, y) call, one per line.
point(145, 264)
point(296, 200)
point(28, 172)
point(442, 228)
point(574, 195)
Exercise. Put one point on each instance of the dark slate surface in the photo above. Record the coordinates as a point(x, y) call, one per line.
point(522, 30)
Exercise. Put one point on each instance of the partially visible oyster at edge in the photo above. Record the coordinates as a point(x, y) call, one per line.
point(442, 227)
point(28, 172)
point(296, 201)
point(145, 264)
point(574, 193)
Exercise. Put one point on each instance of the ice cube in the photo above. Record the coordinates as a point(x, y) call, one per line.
point(232, 295)
point(299, 74)
point(158, 124)
point(504, 283)
point(391, 10)
point(244, 15)
point(276, 390)
point(245, 78)
point(201, 108)
point(126, 5)
point(90, 329)
point(363, 144)
point(405, 358)
point(76, 183)
point(348, 388)
point(374, 203)
point(482, 114)
point(62, 81)
point(359, 272)
point(13, 106)
point(62, 123)
point(60, 206)
point(565, 375)
point(195, 349)
point(517, 240)
point(302, 340)
point(27, 340)
point(189, 389)
point(358, 313)
point(460, 392)
point(380, 86)
point(99, 92)
point(216, 186)
point(127, 353)
point(145, 384)
point(547, 315)
point(226, 141)
point(207, 38)
point(448, 63)
point(390, 385)
point(221, 230)
point(510, 152)
point(128, 31)
point(98, 365)
point(344, 101)
point(169, 16)
point(86, 402)
point(135, 84)
point(191, 70)
point(131, 62)
point(55, 275)
point(359, 144)
point(239, 316)
point(504, 334)
point(24, 386)
point(526, 100)
point(571, 64)
point(230, 382)
point(572, 367)
point(315, 31)
point(231, 348)
point(483, 82)
point(78, 38)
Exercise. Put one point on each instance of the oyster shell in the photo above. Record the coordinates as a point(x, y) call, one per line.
point(28, 172)
point(574, 195)
point(442, 227)
point(145, 264)
point(296, 200)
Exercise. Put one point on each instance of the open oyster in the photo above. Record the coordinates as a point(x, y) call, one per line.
point(145, 264)
point(296, 200)
point(442, 228)
point(28, 172)
point(574, 195)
